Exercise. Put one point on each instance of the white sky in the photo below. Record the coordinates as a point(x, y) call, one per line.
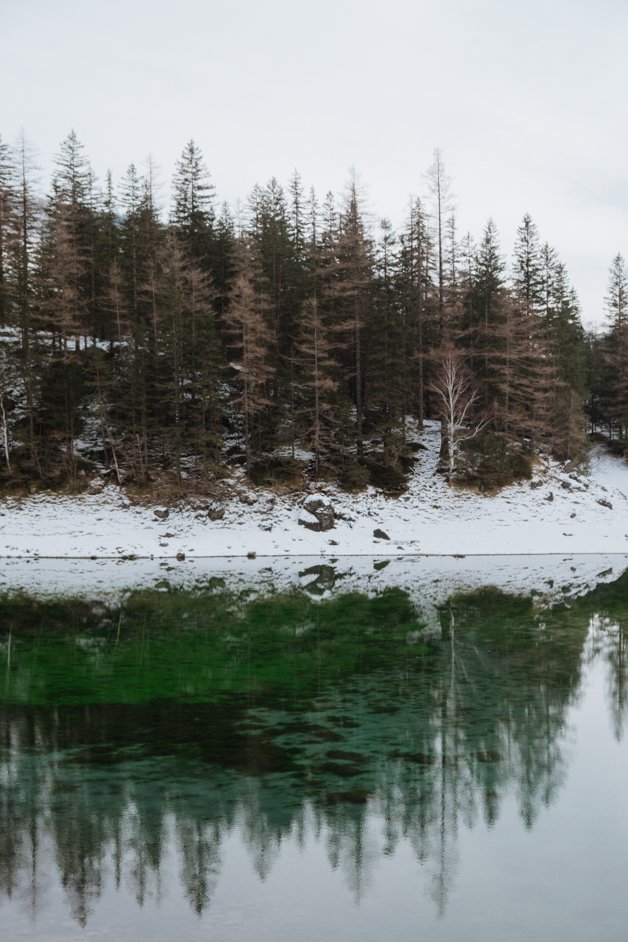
point(526, 100)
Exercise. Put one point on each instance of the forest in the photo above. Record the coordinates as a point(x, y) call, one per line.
point(291, 335)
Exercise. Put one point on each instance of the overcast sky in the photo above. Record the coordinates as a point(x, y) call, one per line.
point(526, 99)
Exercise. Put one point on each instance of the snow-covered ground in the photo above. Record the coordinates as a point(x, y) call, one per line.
point(554, 514)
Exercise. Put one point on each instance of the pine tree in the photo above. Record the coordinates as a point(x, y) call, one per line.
point(250, 341)
point(384, 346)
point(350, 293)
point(486, 334)
point(616, 303)
point(439, 185)
point(21, 259)
point(419, 307)
point(193, 215)
point(317, 371)
point(72, 218)
point(528, 266)
point(7, 228)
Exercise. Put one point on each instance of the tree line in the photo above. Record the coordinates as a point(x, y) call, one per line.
point(292, 331)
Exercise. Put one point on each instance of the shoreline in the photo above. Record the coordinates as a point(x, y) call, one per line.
point(328, 557)
point(428, 581)
point(557, 512)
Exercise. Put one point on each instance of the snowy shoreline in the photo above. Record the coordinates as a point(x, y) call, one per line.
point(556, 513)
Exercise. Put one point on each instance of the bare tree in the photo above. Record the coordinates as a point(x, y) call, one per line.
point(4, 431)
point(250, 340)
point(318, 367)
point(456, 394)
point(440, 192)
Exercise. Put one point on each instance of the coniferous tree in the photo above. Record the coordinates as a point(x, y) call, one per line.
point(318, 372)
point(486, 334)
point(616, 303)
point(528, 266)
point(334, 334)
point(419, 306)
point(349, 292)
point(193, 215)
point(439, 185)
point(21, 259)
point(7, 228)
point(384, 336)
point(250, 343)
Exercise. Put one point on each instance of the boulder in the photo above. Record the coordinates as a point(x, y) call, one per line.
point(380, 534)
point(161, 514)
point(215, 512)
point(317, 513)
point(604, 503)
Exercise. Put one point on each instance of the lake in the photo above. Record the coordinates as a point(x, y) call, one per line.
point(325, 753)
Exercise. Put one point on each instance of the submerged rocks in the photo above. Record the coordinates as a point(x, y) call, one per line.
point(317, 513)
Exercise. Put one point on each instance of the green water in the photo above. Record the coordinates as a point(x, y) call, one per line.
point(235, 766)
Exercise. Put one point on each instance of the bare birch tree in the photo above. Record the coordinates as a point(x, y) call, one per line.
point(456, 394)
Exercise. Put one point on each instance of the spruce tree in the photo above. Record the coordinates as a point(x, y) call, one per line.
point(616, 303)
point(250, 340)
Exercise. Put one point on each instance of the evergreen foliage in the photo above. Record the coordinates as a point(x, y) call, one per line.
point(171, 346)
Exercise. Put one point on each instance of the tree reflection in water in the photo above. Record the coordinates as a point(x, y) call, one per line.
point(178, 719)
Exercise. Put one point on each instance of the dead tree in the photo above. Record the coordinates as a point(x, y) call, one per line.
point(456, 395)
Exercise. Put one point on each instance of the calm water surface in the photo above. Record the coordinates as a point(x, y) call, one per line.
point(218, 765)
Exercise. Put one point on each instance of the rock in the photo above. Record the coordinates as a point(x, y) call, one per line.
point(318, 579)
point(333, 542)
point(161, 514)
point(317, 513)
point(180, 557)
point(572, 515)
point(215, 512)
point(566, 486)
point(251, 554)
point(309, 521)
point(604, 503)
point(549, 497)
point(168, 536)
point(380, 534)
point(535, 484)
point(248, 499)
